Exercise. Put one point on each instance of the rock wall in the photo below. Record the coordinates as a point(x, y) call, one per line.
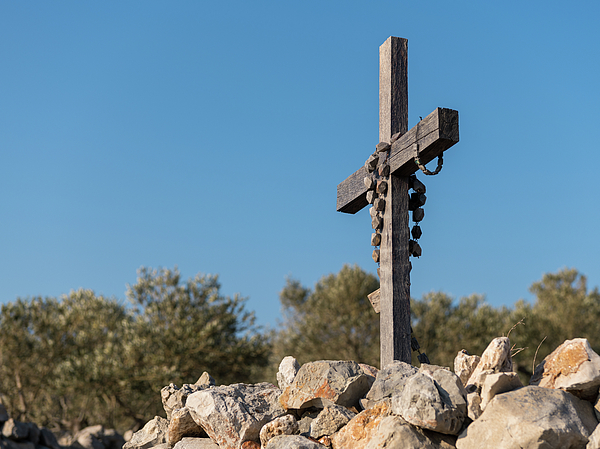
point(345, 405)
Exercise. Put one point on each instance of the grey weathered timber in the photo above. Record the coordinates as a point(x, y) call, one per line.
point(429, 138)
point(434, 134)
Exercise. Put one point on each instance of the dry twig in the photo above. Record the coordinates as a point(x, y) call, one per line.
point(535, 355)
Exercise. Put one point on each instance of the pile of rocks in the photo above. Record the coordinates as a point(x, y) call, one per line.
point(343, 404)
point(27, 435)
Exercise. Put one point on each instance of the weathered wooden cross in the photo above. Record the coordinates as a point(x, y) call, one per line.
point(432, 135)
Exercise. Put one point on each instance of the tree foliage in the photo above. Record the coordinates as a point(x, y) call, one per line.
point(334, 321)
point(87, 359)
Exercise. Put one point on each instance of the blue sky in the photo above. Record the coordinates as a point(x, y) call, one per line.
point(212, 136)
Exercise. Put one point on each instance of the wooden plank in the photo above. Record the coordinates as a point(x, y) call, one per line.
point(374, 299)
point(394, 317)
point(434, 134)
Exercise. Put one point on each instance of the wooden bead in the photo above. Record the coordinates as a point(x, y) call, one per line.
point(372, 212)
point(371, 163)
point(418, 186)
point(377, 222)
point(371, 196)
point(375, 239)
point(418, 215)
point(384, 170)
point(381, 187)
point(416, 200)
point(376, 255)
point(414, 248)
point(416, 232)
point(383, 146)
point(379, 204)
point(369, 182)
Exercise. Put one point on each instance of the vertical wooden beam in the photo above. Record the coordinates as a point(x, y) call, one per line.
point(394, 256)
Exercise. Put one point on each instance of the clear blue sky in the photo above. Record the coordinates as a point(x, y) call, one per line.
point(212, 136)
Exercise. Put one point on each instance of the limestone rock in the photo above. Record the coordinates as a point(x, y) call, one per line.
point(288, 368)
point(573, 366)
point(305, 422)
point(250, 445)
point(151, 435)
point(394, 432)
point(375, 428)
point(205, 380)
point(195, 443)
point(497, 383)
point(464, 365)
point(323, 383)
point(233, 414)
point(174, 398)
point(292, 442)
point(48, 439)
point(474, 405)
point(496, 357)
point(369, 370)
point(594, 439)
point(17, 430)
point(531, 417)
point(362, 428)
point(330, 420)
point(284, 425)
point(183, 425)
point(390, 380)
point(433, 400)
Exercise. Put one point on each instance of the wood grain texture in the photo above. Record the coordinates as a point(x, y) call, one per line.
point(434, 134)
point(394, 303)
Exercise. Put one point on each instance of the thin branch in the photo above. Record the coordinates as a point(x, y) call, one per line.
point(536, 351)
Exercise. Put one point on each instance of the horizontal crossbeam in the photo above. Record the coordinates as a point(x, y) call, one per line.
point(434, 134)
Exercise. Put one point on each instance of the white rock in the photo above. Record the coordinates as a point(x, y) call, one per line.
point(288, 368)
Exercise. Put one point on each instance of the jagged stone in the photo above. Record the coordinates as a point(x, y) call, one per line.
point(331, 419)
point(3, 414)
point(183, 425)
point(250, 445)
point(284, 425)
point(573, 367)
point(48, 439)
point(376, 428)
point(474, 405)
point(151, 435)
point(174, 398)
point(531, 417)
point(394, 432)
point(433, 400)
point(20, 431)
point(389, 381)
point(497, 383)
point(90, 437)
point(288, 368)
point(594, 439)
point(325, 382)
point(205, 380)
point(233, 414)
point(112, 439)
point(6, 443)
point(369, 370)
point(360, 429)
point(496, 357)
point(292, 442)
point(305, 422)
point(196, 443)
point(464, 365)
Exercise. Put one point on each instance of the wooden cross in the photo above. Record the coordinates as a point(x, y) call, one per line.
point(430, 137)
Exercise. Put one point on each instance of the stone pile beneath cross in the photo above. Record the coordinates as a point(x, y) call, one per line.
point(347, 405)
